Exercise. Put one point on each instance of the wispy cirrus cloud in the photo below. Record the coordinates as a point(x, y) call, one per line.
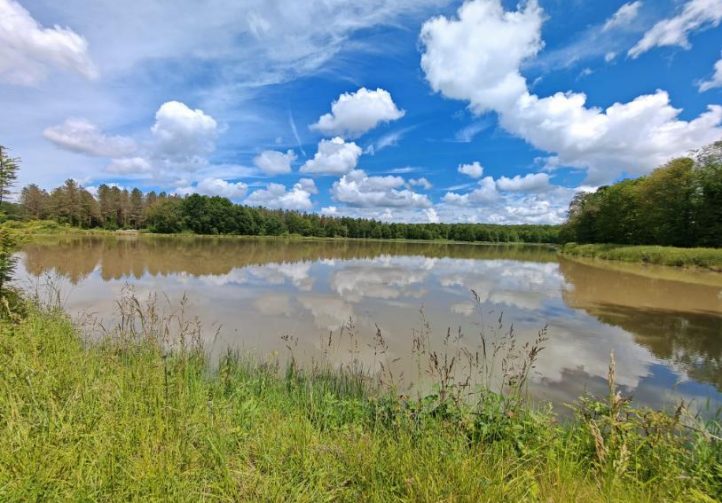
point(390, 139)
point(715, 80)
point(623, 16)
point(695, 15)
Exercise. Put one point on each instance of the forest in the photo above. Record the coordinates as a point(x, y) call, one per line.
point(116, 208)
point(678, 204)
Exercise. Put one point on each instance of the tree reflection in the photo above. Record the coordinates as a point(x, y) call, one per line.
point(678, 322)
point(121, 258)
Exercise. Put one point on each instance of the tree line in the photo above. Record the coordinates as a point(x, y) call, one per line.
point(678, 204)
point(112, 208)
point(115, 208)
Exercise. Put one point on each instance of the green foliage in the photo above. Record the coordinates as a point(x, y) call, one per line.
point(679, 204)
point(27, 229)
point(209, 215)
point(124, 419)
point(35, 202)
point(69, 204)
point(709, 204)
point(12, 302)
point(165, 216)
point(8, 173)
point(115, 208)
point(7, 260)
point(119, 209)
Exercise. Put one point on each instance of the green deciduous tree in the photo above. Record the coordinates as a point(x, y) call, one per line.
point(165, 215)
point(678, 204)
point(665, 203)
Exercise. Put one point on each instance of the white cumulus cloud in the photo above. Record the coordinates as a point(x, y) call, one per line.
point(633, 137)
point(432, 216)
point(490, 44)
point(276, 196)
point(308, 185)
point(358, 189)
point(216, 187)
point(420, 182)
point(484, 193)
point(28, 51)
point(537, 182)
point(181, 139)
point(273, 162)
point(82, 136)
point(487, 204)
point(477, 56)
point(334, 157)
point(129, 166)
point(695, 15)
point(474, 170)
point(183, 135)
point(353, 114)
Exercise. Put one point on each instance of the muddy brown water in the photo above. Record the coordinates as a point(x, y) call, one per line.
point(664, 325)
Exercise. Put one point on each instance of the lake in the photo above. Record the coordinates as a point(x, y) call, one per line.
point(265, 296)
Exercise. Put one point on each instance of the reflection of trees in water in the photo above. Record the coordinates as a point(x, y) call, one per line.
point(693, 341)
point(678, 322)
point(74, 259)
point(77, 258)
point(595, 284)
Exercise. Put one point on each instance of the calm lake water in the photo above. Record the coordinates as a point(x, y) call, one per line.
point(664, 325)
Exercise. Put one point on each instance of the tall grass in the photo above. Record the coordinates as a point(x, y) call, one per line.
point(38, 227)
point(705, 258)
point(141, 414)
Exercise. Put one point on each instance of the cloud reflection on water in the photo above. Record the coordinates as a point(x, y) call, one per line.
point(260, 290)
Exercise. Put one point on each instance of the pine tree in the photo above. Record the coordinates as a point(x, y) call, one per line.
point(35, 201)
point(136, 208)
point(8, 173)
point(107, 211)
point(90, 210)
point(73, 204)
point(7, 260)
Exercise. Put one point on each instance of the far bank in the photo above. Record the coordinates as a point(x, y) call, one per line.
point(703, 258)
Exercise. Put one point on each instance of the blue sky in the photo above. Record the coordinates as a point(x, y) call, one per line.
point(405, 110)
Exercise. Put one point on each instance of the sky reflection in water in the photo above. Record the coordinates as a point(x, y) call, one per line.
point(664, 326)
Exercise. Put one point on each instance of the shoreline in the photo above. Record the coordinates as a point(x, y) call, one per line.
point(693, 259)
point(53, 229)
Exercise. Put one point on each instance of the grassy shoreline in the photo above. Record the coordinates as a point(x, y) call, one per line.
point(123, 418)
point(26, 230)
point(701, 258)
